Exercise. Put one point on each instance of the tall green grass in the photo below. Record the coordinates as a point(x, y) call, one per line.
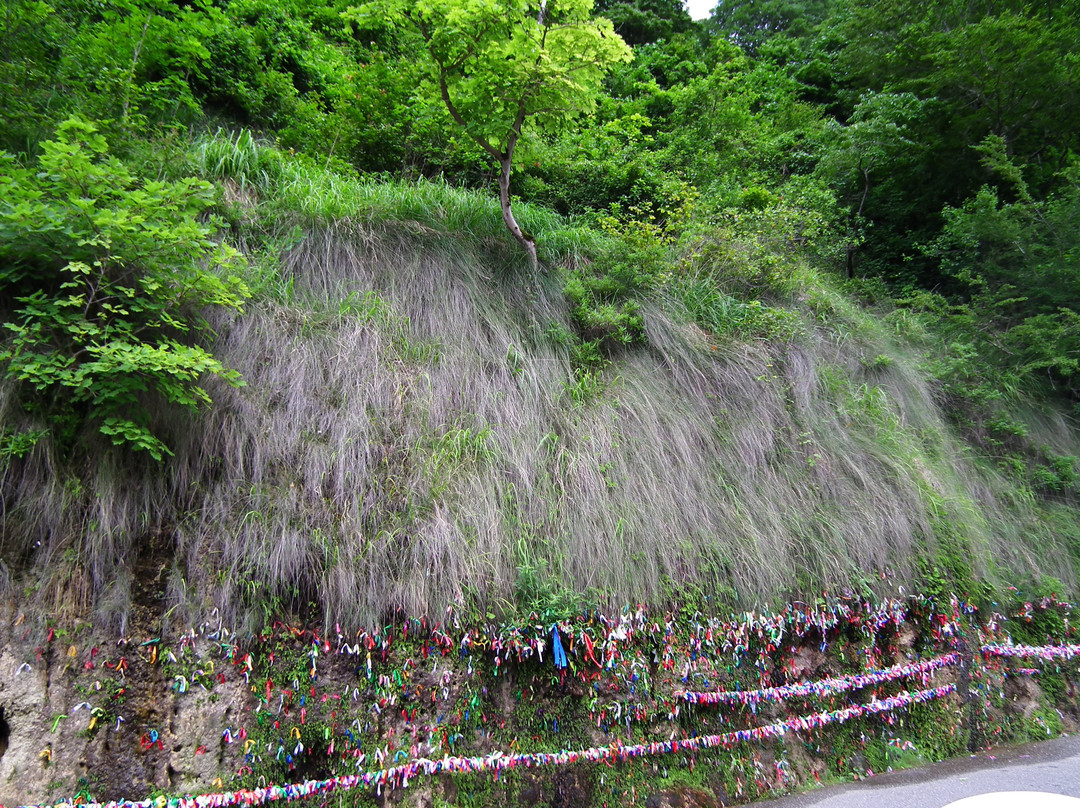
point(297, 190)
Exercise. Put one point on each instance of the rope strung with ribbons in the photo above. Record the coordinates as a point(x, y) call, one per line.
point(825, 687)
point(1044, 652)
point(399, 776)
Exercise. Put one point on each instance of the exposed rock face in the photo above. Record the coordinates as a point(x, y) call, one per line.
point(115, 735)
point(683, 797)
point(1024, 695)
point(807, 662)
point(25, 699)
point(196, 713)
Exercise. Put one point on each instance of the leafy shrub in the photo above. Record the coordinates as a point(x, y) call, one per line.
point(606, 296)
point(722, 315)
point(1057, 474)
point(756, 198)
point(105, 275)
point(613, 166)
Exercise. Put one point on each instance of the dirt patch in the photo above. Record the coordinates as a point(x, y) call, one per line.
point(149, 576)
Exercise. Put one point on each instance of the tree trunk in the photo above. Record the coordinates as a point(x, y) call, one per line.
point(505, 158)
point(526, 240)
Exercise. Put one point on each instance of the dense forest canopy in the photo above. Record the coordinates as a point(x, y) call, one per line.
point(922, 155)
point(912, 115)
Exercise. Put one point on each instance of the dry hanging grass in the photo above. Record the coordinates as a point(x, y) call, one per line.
point(407, 440)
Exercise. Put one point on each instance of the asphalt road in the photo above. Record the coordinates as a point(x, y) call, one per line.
point(1049, 766)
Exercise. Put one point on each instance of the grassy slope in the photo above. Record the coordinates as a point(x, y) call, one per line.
point(413, 433)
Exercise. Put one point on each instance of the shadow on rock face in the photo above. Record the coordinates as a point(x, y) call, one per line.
point(682, 797)
point(5, 733)
point(566, 789)
point(571, 789)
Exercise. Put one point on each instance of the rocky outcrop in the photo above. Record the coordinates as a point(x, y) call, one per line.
point(104, 719)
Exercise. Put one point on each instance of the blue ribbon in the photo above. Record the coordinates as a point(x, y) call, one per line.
point(560, 654)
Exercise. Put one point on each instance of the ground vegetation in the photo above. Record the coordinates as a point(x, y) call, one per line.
point(797, 308)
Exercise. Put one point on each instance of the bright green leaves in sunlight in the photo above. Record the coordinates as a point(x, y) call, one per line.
point(497, 64)
point(499, 61)
point(103, 279)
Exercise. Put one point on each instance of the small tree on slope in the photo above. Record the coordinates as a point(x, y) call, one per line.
point(497, 64)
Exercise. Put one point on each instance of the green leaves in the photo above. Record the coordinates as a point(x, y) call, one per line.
point(496, 64)
point(499, 62)
point(107, 276)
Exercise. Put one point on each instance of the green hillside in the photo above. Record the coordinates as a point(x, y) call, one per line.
point(802, 320)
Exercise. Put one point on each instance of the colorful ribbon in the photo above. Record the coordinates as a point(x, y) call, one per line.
point(560, 654)
point(399, 776)
point(825, 687)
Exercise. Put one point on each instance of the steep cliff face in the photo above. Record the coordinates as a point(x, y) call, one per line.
point(418, 431)
point(428, 429)
point(638, 709)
